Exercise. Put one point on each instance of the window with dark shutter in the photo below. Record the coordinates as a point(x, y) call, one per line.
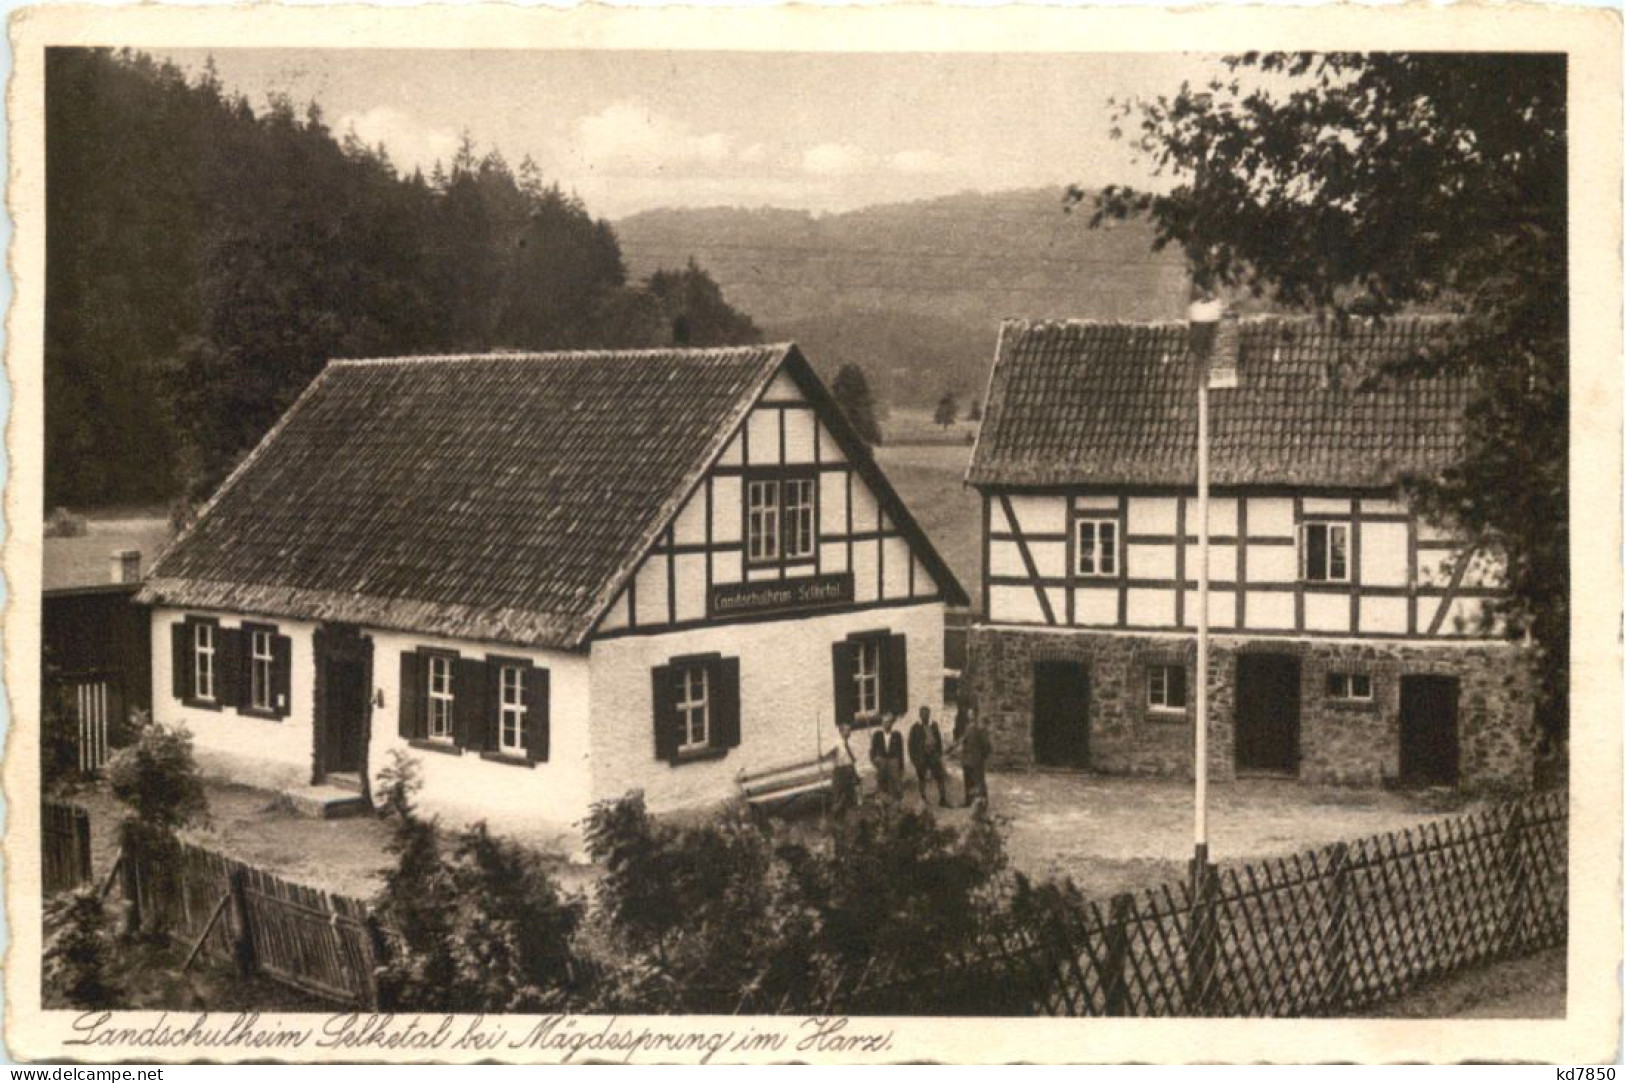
point(281, 676)
point(725, 703)
point(180, 660)
point(666, 719)
point(515, 710)
point(228, 666)
point(207, 663)
point(413, 719)
point(844, 663)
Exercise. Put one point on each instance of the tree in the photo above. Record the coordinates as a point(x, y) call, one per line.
point(947, 409)
point(1404, 181)
point(851, 390)
point(158, 781)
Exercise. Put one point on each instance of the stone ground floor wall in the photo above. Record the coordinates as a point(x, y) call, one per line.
point(1340, 743)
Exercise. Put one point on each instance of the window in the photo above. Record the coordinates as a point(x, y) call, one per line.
point(203, 661)
point(1165, 687)
point(1352, 687)
point(441, 699)
point(866, 676)
point(694, 709)
point(1324, 551)
point(1097, 547)
point(780, 519)
point(511, 710)
point(261, 667)
point(798, 518)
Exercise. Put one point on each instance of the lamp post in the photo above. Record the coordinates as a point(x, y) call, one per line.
point(1205, 313)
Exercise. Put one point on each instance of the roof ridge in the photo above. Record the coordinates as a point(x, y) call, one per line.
point(1255, 319)
point(561, 355)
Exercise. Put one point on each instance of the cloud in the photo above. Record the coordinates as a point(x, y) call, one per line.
point(409, 141)
point(833, 159)
point(630, 137)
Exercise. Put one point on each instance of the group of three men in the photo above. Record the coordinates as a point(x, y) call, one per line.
point(926, 751)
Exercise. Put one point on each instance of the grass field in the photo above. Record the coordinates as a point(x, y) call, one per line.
point(83, 561)
point(931, 481)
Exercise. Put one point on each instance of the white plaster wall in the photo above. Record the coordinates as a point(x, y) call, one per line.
point(1018, 605)
point(828, 449)
point(782, 389)
point(1152, 514)
point(1384, 554)
point(1004, 559)
point(257, 751)
point(690, 523)
point(1039, 514)
point(1221, 608)
point(1326, 505)
point(832, 503)
point(786, 698)
point(540, 802)
point(1269, 609)
point(762, 449)
point(1326, 612)
point(1269, 517)
point(1221, 517)
point(690, 586)
point(1387, 615)
point(650, 595)
point(1152, 561)
point(924, 581)
point(897, 559)
point(1149, 608)
point(866, 570)
point(1094, 606)
point(1271, 564)
point(865, 508)
point(1095, 503)
point(798, 436)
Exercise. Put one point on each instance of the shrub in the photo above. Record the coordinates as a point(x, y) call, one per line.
point(62, 523)
point(78, 951)
point(158, 781)
point(478, 927)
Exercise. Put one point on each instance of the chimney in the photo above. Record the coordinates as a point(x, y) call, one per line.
point(126, 565)
point(1224, 365)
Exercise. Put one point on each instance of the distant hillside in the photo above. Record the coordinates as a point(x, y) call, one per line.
point(914, 292)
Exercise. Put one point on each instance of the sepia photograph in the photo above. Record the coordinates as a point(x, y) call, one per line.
point(538, 543)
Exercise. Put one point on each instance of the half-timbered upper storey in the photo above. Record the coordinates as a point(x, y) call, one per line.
point(1087, 457)
point(548, 499)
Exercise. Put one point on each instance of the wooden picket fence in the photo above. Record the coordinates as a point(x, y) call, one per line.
point(319, 943)
point(1321, 932)
point(65, 838)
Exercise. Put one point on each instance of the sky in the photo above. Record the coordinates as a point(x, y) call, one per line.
point(630, 131)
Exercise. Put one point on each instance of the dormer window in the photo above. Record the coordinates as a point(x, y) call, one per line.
point(780, 519)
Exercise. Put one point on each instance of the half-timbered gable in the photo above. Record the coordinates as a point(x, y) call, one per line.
point(538, 562)
point(1086, 465)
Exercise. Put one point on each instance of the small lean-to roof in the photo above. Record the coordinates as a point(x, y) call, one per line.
point(1081, 402)
point(502, 497)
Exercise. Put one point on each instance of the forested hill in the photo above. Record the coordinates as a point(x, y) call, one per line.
point(914, 292)
point(205, 259)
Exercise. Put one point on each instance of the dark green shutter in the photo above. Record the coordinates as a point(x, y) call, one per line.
point(180, 660)
point(538, 722)
point(228, 666)
point(281, 675)
point(491, 720)
point(894, 675)
point(469, 720)
point(665, 712)
point(844, 662)
point(725, 701)
point(414, 723)
point(1176, 686)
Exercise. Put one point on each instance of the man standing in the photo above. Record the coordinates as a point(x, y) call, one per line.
point(846, 785)
point(975, 748)
point(886, 753)
point(925, 747)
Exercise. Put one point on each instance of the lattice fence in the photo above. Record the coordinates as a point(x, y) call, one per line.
point(1318, 933)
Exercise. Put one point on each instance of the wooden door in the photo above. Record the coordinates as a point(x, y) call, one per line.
point(1429, 738)
point(343, 656)
point(1061, 714)
point(1267, 712)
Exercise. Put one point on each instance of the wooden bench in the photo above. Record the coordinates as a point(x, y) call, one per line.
point(773, 785)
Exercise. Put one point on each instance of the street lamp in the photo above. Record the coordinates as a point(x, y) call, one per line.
point(1205, 313)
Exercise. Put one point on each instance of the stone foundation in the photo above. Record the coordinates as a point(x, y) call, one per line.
point(1339, 742)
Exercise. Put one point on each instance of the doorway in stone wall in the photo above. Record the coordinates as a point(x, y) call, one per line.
point(1429, 736)
point(1061, 714)
point(1268, 698)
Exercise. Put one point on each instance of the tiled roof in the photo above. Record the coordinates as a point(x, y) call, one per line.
point(1076, 402)
point(502, 497)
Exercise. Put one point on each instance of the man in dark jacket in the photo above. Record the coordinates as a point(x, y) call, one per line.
point(886, 753)
point(925, 748)
point(975, 749)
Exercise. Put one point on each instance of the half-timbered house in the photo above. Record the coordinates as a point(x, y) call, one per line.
point(552, 578)
point(1348, 643)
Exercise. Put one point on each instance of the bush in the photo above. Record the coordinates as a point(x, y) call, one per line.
point(78, 951)
point(158, 781)
point(62, 523)
point(479, 928)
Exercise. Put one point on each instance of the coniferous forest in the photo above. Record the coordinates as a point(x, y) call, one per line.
point(206, 257)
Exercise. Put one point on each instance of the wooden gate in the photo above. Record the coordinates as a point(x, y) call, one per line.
point(65, 841)
point(96, 701)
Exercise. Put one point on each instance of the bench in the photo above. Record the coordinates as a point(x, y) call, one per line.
point(789, 781)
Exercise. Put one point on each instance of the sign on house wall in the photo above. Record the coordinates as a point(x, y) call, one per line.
point(780, 596)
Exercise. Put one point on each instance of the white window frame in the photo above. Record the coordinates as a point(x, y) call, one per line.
point(511, 710)
point(203, 656)
point(441, 701)
point(1342, 686)
point(762, 525)
point(798, 496)
point(1333, 528)
point(261, 665)
point(866, 663)
point(1159, 688)
point(1097, 560)
point(694, 708)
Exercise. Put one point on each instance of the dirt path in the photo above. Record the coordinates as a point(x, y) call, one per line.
point(1534, 987)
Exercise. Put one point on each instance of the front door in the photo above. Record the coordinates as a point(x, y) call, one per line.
point(344, 661)
point(1429, 747)
point(1267, 700)
point(1061, 714)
